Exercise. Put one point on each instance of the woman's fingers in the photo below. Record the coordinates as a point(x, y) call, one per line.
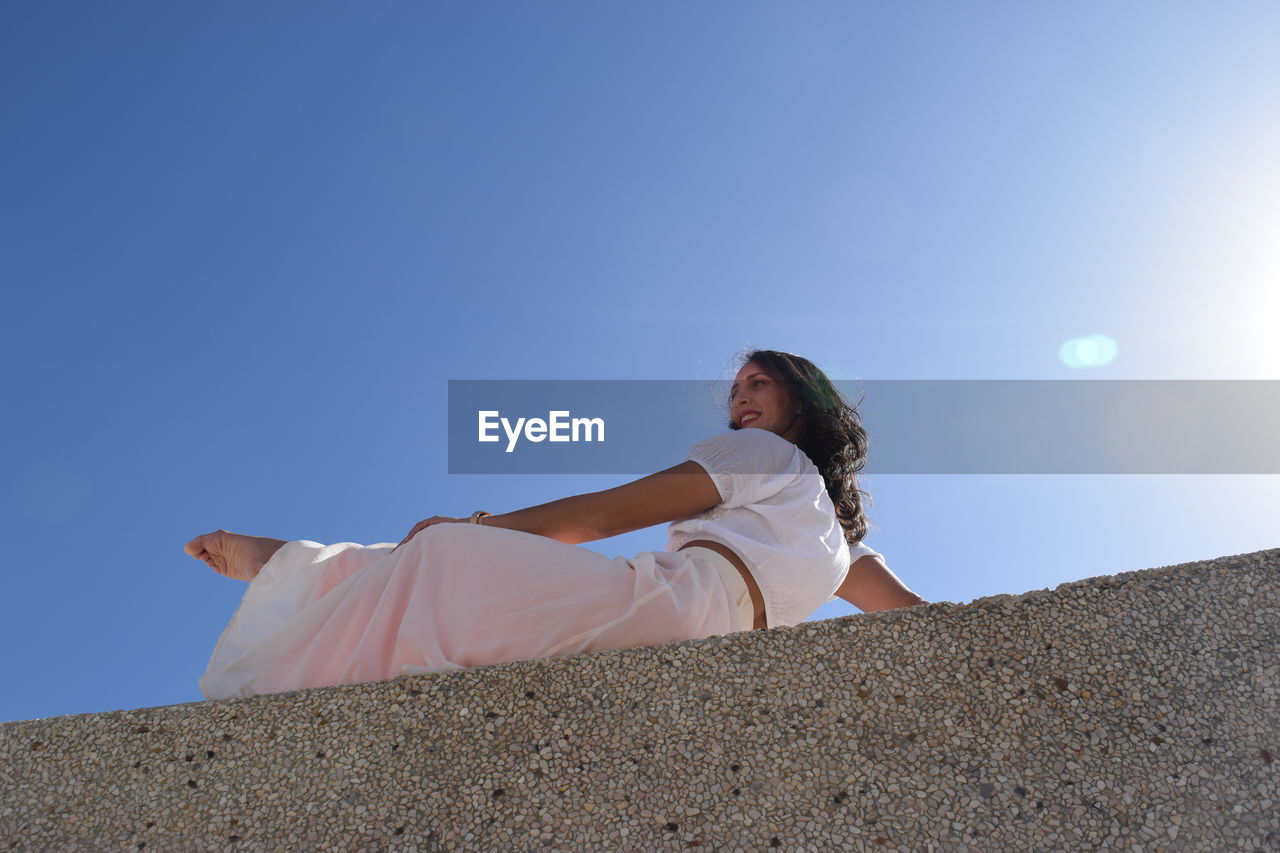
point(424, 524)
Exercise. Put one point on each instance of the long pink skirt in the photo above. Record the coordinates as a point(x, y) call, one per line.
point(455, 596)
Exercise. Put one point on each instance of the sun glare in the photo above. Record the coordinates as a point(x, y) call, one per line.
point(1091, 351)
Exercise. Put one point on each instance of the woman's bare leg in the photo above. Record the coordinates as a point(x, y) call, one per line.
point(234, 554)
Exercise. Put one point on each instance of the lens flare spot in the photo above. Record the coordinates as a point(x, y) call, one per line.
point(1090, 351)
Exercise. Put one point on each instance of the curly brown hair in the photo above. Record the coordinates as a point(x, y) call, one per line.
point(832, 435)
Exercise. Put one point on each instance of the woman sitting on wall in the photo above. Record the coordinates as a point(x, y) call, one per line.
point(766, 523)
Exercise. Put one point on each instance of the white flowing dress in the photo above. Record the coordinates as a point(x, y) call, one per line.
point(455, 595)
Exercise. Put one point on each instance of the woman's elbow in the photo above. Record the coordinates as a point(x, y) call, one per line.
point(871, 587)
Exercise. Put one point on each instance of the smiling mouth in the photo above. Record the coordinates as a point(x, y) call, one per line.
point(748, 418)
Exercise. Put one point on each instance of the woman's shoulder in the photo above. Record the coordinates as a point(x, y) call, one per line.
point(859, 549)
point(748, 437)
point(760, 449)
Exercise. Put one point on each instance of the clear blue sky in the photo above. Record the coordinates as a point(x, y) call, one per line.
point(244, 246)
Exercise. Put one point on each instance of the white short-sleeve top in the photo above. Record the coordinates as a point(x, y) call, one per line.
point(775, 513)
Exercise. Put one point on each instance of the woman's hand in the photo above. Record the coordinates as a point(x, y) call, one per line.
point(423, 525)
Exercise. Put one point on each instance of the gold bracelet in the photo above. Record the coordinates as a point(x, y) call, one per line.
point(477, 515)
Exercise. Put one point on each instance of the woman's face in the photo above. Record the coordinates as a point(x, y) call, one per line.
point(758, 400)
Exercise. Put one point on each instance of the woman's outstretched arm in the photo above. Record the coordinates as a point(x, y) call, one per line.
point(677, 492)
point(870, 586)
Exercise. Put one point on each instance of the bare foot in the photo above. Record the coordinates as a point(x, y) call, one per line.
point(234, 554)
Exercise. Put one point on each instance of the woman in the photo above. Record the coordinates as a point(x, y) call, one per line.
point(760, 536)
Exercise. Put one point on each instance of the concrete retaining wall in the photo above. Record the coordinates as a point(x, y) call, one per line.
point(1133, 712)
